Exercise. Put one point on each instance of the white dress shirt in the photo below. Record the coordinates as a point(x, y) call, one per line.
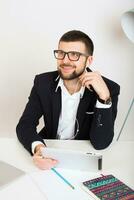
point(68, 113)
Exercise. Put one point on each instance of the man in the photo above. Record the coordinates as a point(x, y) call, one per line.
point(75, 102)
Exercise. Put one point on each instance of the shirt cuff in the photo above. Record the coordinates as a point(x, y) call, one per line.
point(101, 105)
point(34, 144)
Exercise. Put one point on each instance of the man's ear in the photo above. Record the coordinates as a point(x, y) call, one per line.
point(89, 60)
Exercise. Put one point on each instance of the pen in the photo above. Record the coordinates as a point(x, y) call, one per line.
point(65, 180)
point(90, 153)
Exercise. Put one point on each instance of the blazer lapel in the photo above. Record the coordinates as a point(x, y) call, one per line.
point(85, 101)
point(56, 109)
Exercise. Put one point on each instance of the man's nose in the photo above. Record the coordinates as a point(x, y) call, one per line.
point(66, 59)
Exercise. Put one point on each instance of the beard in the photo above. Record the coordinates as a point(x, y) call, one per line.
point(70, 76)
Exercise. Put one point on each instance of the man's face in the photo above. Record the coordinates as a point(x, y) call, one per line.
point(68, 69)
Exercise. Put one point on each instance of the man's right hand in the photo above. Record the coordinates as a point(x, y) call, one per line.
point(42, 162)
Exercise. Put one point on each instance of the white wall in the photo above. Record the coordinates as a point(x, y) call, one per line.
point(30, 30)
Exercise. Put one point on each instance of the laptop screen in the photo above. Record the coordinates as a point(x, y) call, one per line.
point(8, 173)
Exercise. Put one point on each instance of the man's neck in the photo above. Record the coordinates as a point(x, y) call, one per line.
point(72, 86)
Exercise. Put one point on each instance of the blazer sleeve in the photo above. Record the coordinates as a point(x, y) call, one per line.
point(27, 127)
point(102, 129)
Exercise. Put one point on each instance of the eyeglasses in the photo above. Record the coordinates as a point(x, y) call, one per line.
point(72, 55)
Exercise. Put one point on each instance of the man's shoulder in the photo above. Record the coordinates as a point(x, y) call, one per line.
point(47, 76)
point(112, 85)
point(46, 80)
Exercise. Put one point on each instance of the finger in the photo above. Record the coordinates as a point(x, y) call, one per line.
point(94, 77)
point(86, 80)
point(44, 163)
point(89, 87)
point(89, 84)
point(87, 76)
point(50, 164)
point(90, 74)
point(42, 159)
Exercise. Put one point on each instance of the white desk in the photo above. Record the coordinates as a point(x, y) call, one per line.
point(118, 159)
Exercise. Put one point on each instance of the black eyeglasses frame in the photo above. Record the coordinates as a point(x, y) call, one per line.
point(67, 53)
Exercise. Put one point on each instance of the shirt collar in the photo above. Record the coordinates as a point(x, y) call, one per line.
point(61, 85)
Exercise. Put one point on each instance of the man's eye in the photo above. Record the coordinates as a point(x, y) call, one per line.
point(74, 54)
point(60, 53)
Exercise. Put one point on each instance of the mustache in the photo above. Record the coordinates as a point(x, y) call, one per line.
point(67, 65)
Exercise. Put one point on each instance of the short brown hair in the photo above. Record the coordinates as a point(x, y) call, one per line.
point(76, 35)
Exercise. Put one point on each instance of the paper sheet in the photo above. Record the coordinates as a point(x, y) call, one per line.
point(56, 189)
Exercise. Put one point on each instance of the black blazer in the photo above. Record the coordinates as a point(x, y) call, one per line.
point(95, 124)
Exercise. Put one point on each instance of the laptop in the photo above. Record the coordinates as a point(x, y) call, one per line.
point(9, 173)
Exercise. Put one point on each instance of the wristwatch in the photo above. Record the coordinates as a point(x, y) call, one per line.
point(106, 102)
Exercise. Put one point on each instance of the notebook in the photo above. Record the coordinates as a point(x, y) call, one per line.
point(8, 174)
point(108, 188)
